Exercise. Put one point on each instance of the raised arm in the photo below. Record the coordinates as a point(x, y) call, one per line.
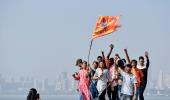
point(110, 52)
point(127, 56)
point(104, 58)
point(147, 59)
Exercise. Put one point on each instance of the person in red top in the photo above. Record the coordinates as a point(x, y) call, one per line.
point(139, 76)
point(136, 72)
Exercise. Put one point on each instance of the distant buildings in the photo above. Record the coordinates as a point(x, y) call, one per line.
point(65, 84)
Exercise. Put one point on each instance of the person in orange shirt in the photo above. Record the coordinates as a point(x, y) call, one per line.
point(137, 72)
point(139, 76)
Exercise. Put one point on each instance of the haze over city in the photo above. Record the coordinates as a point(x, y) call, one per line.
point(43, 38)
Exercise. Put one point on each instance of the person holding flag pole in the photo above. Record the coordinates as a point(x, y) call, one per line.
point(104, 26)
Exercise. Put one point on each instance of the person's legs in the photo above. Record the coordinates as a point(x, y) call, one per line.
point(109, 92)
point(92, 90)
point(128, 97)
point(115, 93)
point(122, 97)
point(81, 96)
point(141, 92)
point(144, 86)
point(138, 92)
point(119, 92)
point(102, 95)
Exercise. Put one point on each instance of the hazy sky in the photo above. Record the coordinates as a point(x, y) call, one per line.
point(42, 38)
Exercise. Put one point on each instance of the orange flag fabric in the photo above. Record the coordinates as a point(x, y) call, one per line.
point(105, 25)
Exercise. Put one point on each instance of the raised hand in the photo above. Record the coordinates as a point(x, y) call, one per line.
point(146, 54)
point(111, 46)
point(102, 52)
point(127, 56)
point(125, 49)
point(73, 75)
point(76, 73)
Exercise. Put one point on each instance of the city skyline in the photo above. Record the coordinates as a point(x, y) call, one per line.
point(64, 84)
point(42, 38)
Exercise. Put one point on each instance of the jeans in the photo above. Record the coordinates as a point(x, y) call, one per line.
point(119, 92)
point(139, 93)
point(93, 90)
point(81, 96)
point(126, 97)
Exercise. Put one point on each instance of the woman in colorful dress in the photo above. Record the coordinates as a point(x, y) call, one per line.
point(84, 81)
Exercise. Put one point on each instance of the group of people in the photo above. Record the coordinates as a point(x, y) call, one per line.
point(112, 78)
point(33, 95)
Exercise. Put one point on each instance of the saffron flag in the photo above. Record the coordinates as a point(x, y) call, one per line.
point(105, 25)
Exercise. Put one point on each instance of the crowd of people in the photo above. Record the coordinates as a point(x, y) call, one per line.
point(112, 78)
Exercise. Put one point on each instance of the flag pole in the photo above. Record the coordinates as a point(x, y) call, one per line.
point(89, 50)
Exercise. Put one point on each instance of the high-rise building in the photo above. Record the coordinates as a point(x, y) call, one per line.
point(58, 83)
point(43, 86)
point(74, 84)
point(64, 81)
point(167, 80)
point(160, 81)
